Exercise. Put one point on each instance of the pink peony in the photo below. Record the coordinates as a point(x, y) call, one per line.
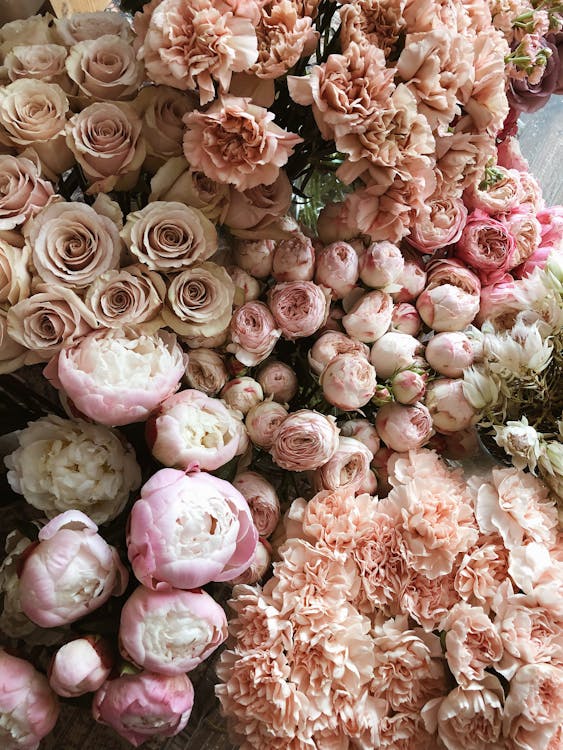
point(370, 317)
point(448, 406)
point(381, 264)
point(412, 278)
point(262, 422)
point(408, 386)
point(450, 300)
point(395, 351)
point(331, 344)
point(404, 428)
point(305, 440)
point(405, 319)
point(449, 353)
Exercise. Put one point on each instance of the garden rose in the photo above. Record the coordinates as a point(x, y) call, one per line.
point(450, 300)
point(294, 259)
point(404, 428)
point(253, 333)
point(487, 246)
point(248, 289)
point(80, 666)
point(331, 344)
point(278, 380)
point(393, 352)
point(262, 500)
point(254, 213)
point(348, 381)
point(299, 308)
point(217, 540)
point(449, 408)
point(126, 297)
point(370, 317)
point(242, 393)
point(206, 371)
point(162, 109)
point(15, 279)
point(449, 353)
point(362, 430)
point(347, 469)
point(438, 224)
point(305, 440)
point(262, 422)
point(337, 268)
point(77, 27)
point(22, 191)
point(105, 68)
point(45, 62)
point(381, 264)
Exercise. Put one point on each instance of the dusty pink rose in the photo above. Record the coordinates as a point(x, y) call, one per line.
point(337, 268)
point(170, 632)
point(294, 259)
point(381, 264)
point(253, 333)
point(255, 256)
point(15, 278)
point(71, 572)
point(362, 430)
point(439, 224)
point(331, 344)
point(80, 26)
point(449, 353)
point(449, 408)
point(262, 147)
point(29, 709)
point(487, 246)
point(278, 380)
point(144, 705)
point(473, 643)
point(262, 500)
point(12, 354)
point(481, 571)
point(117, 377)
point(299, 308)
point(242, 393)
point(450, 300)
point(408, 386)
point(405, 319)
point(129, 296)
point(45, 62)
point(162, 109)
point(370, 317)
point(500, 194)
point(348, 381)
point(262, 422)
point(404, 428)
point(22, 191)
point(395, 351)
point(305, 440)
point(80, 666)
point(533, 712)
point(526, 230)
point(347, 469)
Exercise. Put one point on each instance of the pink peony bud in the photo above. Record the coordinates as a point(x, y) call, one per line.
point(305, 440)
point(404, 428)
point(262, 500)
point(255, 256)
point(262, 423)
point(347, 469)
point(408, 387)
point(206, 371)
point(405, 319)
point(28, 707)
point(451, 298)
point(412, 278)
point(448, 406)
point(71, 572)
point(370, 317)
point(381, 264)
point(329, 345)
point(337, 268)
point(300, 308)
point(253, 333)
point(393, 352)
point(348, 381)
point(258, 566)
point(145, 705)
point(80, 666)
point(449, 353)
point(171, 632)
point(278, 380)
point(294, 259)
point(218, 536)
point(362, 430)
point(242, 393)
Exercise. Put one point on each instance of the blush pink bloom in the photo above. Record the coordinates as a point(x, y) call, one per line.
point(438, 224)
point(551, 220)
point(294, 259)
point(448, 406)
point(362, 430)
point(487, 246)
point(80, 666)
point(256, 257)
point(449, 353)
point(278, 380)
point(499, 196)
point(242, 394)
point(305, 440)
point(144, 705)
point(481, 571)
point(262, 500)
point(256, 212)
point(299, 308)
point(28, 707)
point(170, 632)
point(206, 371)
point(71, 572)
point(117, 377)
point(22, 191)
point(217, 537)
point(337, 268)
point(405, 730)
point(533, 712)
point(395, 351)
point(405, 319)
point(404, 428)
point(473, 643)
point(346, 470)
point(450, 300)
point(526, 230)
point(428, 600)
point(331, 344)
point(412, 278)
point(500, 303)
point(253, 333)
point(258, 565)
point(381, 264)
point(262, 422)
point(348, 381)
point(370, 317)
point(262, 146)
point(538, 259)
point(408, 386)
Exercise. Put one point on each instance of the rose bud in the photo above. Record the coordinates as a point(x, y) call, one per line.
point(171, 632)
point(451, 298)
point(145, 705)
point(329, 345)
point(80, 666)
point(347, 469)
point(487, 246)
point(382, 395)
point(381, 264)
point(448, 406)
point(449, 353)
point(28, 707)
point(278, 380)
point(72, 571)
point(337, 268)
point(305, 440)
point(393, 352)
point(253, 333)
point(370, 317)
point(206, 371)
point(242, 393)
point(294, 259)
point(262, 422)
point(256, 257)
point(219, 540)
point(405, 319)
point(262, 500)
point(348, 381)
point(412, 278)
point(190, 429)
point(258, 566)
point(408, 387)
point(362, 430)
point(404, 428)
point(300, 308)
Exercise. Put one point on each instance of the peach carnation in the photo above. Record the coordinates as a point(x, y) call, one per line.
point(481, 571)
point(472, 643)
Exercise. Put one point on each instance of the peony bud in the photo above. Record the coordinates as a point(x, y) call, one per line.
point(246, 285)
point(329, 345)
point(404, 428)
point(348, 381)
point(405, 319)
point(449, 353)
point(412, 278)
point(408, 387)
point(254, 256)
point(242, 394)
point(381, 264)
point(262, 422)
point(294, 259)
point(278, 380)
point(80, 666)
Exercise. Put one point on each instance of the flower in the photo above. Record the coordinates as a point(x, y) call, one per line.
point(206, 371)
point(450, 300)
point(408, 387)
point(481, 571)
point(381, 264)
point(45, 62)
point(347, 469)
point(487, 246)
point(256, 257)
point(337, 268)
point(254, 213)
point(521, 441)
point(395, 351)
point(144, 705)
point(262, 500)
point(294, 259)
point(329, 345)
point(473, 643)
point(404, 428)
point(162, 109)
point(362, 430)
point(449, 353)
point(170, 632)
point(305, 440)
point(242, 394)
point(262, 422)
point(80, 666)
point(214, 541)
point(15, 279)
point(80, 26)
point(22, 191)
point(348, 381)
point(278, 380)
point(449, 408)
point(438, 224)
point(299, 308)
point(532, 711)
point(71, 572)
point(370, 317)
point(253, 333)
point(126, 297)
point(258, 565)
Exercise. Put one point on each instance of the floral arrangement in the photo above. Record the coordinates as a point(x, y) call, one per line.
point(264, 252)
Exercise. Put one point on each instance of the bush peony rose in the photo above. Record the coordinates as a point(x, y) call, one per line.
point(348, 381)
point(253, 333)
point(305, 440)
point(299, 308)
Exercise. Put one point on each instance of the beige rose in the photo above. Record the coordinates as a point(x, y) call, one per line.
point(105, 68)
point(126, 297)
point(45, 62)
point(12, 355)
point(106, 141)
point(15, 279)
point(72, 244)
point(22, 191)
point(33, 30)
point(206, 371)
point(77, 27)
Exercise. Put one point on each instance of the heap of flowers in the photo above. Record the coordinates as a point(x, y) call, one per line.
point(218, 353)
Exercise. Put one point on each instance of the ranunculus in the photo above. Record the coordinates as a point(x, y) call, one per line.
point(80, 666)
point(408, 386)
point(126, 297)
point(119, 376)
point(262, 500)
point(77, 27)
point(64, 464)
point(404, 428)
point(22, 191)
point(294, 259)
point(218, 537)
point(106, 141)
point(346, 469)
point(449, 353)
point(395, 351)
point(71, 572)
point(262, 146)
point(15, 279)
point(28, 707)
point(329, 345)
point(449, 408)
point(162, 109)
point(255, 256)
point(381, 264)
point(337, 268)
point(170, 632)
point(487, 246)
point(206, 371)
point(144, 705)
point(348, 381)
point(199, 301)
point(253, 333)
point(190, 429)
point(532, 711)
point(473, 643)
point(45, 62)
point(278, 380)
point(262, 422)
point(438, 224)
point(299, 308)
point(370, 317)
point(450, 300)
point(305, 440)
point(168, 236)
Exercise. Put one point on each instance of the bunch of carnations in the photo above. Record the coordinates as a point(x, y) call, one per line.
point(427, 619)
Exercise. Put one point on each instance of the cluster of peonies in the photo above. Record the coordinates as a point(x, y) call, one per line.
point(430, 618)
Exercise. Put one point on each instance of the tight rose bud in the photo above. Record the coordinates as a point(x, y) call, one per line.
point(206, 371)
point(262, 422)
point(258, 566)
point(170, 632)
point(246, 286)
point(381, 264)
point(449, 353)
point(448, 406)
point(362, 430)
point(262, 500)
point(329, 345)
point(393, 352)
point(404, 428)
point(337, 268)
point(348, 381)
point(405, 319)
point(305, 440)
point(347, 469)
point(253, 333)
point(369, 317)
point(300, 308)
point(408, 387)
point(80, 666)
point(412, 278)
point(294, 259)
point(242, 394)
point(278, 380)
point(255, 256)
point(145, 705)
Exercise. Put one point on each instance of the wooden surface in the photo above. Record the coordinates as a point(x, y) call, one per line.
point(68, 7)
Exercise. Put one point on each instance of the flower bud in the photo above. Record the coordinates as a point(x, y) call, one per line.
point(80, 666)
point(262, 500)
point(370, 317)
point(408, 387)
point(337, 268)
point(262, 422)
point(448, 407)
point(294, 259)
point(412, 278)
point(362, 430)
point(393, 352)
point(254, 256)
point(242, 393)
point(346, 469)
point(258, 566)
point(404, 428)
point(329, 345)
point(348, 381)
point(381, 264)
point(405, 319)
point(278, 380)
point(449, 353)
point(246, 286)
